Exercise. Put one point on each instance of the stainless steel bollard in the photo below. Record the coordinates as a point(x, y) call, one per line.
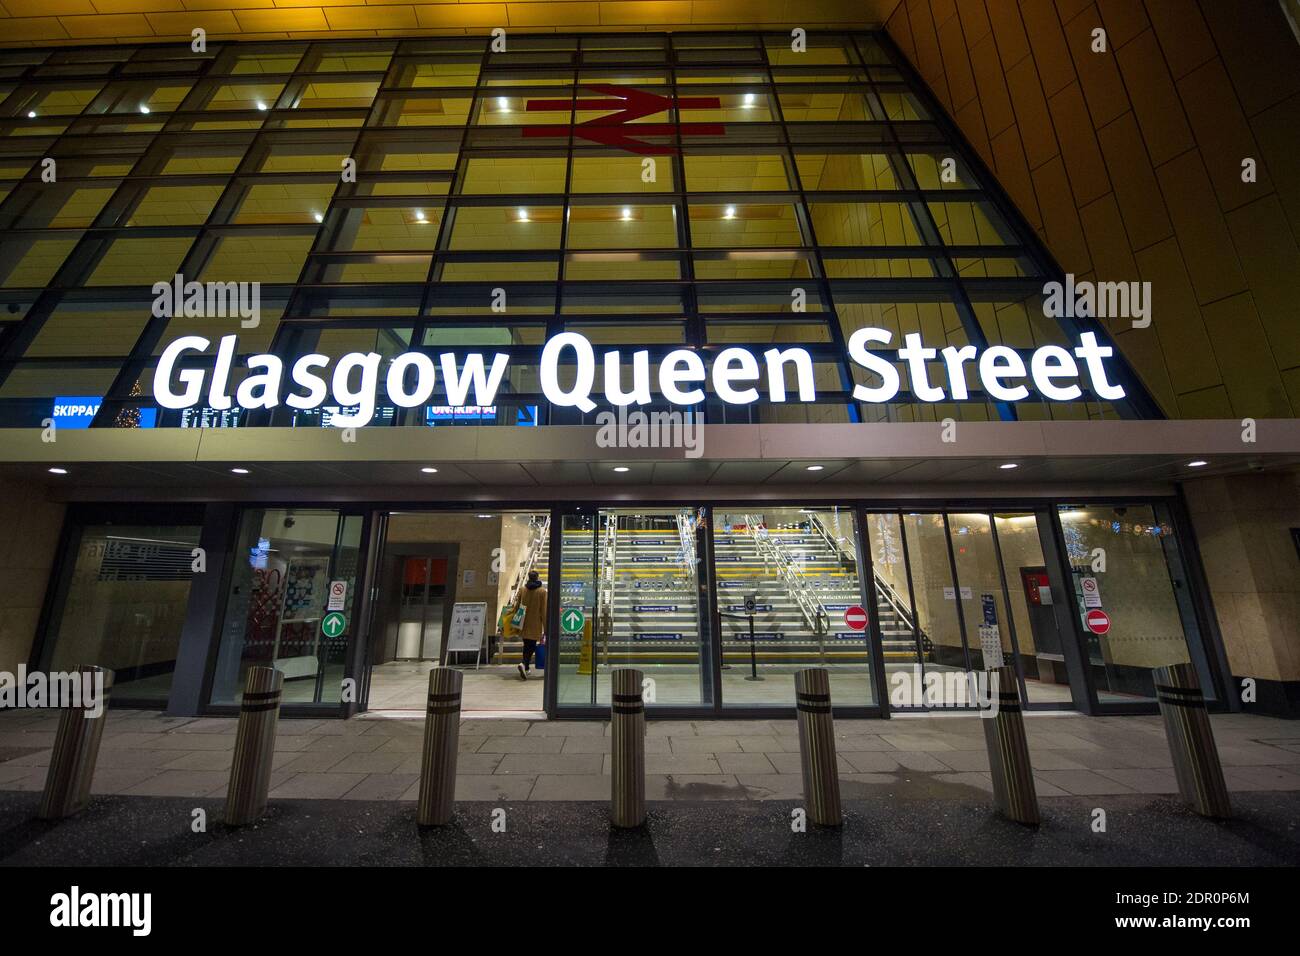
point(76, 748)
point(1191, 740)
point(627, 732)
point(1004, 733)
point(821, 779)
point(441, 745)
point(250, 773)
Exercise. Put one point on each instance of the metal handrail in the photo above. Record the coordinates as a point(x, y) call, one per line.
point(810, 605)
point(538, 536)
point(686, 554)
point(844, 545)
point(839, 543)
point(900, 607)
point(605, 595)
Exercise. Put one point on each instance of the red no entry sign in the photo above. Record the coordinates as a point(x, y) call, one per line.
point(1097, 621)
point(856, 617)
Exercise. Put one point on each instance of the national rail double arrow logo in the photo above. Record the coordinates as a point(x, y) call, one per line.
point(615, 129)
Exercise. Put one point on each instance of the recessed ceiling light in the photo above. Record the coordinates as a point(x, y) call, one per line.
point(621, 468)
point(729, 213)
point(319, 217)
point(749, 99)
point(58, 471)
point(523, 215)
point(816, 467)
point(143, 108)
point(1008, 466)
point(261, 106)
point(485, 516)
point(503, 104)
point(419, 215)
point(239, 471)
point(627, 213)
point(1197, 464)
point(31, 114)
point(429, 471)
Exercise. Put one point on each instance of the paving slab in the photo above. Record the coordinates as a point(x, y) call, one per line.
point(571, 787)
point(743, 763)
point(549, 763)
point(521, 745)
point(180, 783)
point(1082, 782)
point(371, 763)
point(1144, 781)
point(382, 786)
point(320, 786)
point(705, 745)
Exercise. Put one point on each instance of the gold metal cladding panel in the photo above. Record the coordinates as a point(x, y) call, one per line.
point(62, 22)
point(1129, 161)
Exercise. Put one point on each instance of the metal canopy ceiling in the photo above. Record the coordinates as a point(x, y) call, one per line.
point(860, 459)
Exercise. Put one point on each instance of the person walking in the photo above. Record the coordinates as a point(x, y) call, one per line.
point(533, 602)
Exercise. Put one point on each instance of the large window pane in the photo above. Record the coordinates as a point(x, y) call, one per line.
point(979, 595)
point(794, 572)
point(1032, 605)
point(630, 597)
point(894, 611)
point(1124, 564)
point(934, 592)
point(285, 560)
point(125, 606)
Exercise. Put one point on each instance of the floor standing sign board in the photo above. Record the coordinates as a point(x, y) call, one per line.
point(467, 630)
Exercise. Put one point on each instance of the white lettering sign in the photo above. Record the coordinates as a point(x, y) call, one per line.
point(569, 369)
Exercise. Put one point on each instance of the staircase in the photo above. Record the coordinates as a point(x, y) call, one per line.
point(800, 616)
point(654, 606)
point(637, 585)
point(536, 557)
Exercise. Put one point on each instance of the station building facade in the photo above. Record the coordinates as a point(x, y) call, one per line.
point(313, 349)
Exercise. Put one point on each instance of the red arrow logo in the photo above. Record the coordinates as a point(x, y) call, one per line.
point(630, 104)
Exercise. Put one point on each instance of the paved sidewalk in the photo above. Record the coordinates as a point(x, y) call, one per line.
point(377, 758)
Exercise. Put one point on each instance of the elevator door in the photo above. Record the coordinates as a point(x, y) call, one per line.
point(420, 610)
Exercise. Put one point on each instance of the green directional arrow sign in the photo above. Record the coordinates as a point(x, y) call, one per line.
point(572, 619)
point(333, 624)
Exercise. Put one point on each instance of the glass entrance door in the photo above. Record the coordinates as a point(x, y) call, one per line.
point(789, 597)
point(632, 594)
point(291, 603)
point(961, 592)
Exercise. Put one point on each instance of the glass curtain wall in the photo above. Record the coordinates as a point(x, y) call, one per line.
point(648, 191)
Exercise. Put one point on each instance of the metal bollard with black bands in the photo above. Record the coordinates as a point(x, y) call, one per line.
point(441, 746)
point(1191, 741)
point(1004, 733)
point(627, 747)
point(821, 781)
point(76, 749)
point(250, 773)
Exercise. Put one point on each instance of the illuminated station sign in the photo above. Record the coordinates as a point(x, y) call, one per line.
point(1050, 372)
